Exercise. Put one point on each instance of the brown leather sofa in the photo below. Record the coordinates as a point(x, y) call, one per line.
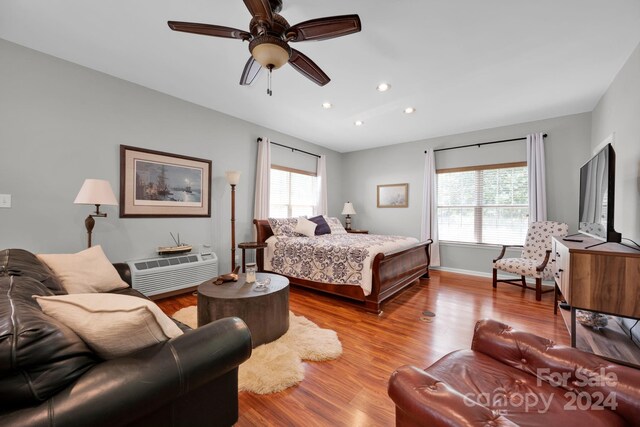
point(48, 375)
point(513, 378)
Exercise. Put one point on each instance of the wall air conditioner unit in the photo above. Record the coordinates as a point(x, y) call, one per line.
point(167, 274)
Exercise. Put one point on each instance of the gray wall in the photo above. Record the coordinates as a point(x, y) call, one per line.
point(61, 123)
point(566, 147)
point(619, 111)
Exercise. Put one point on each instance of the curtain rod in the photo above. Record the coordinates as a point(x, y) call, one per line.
point(483, 143)
point(291, 148)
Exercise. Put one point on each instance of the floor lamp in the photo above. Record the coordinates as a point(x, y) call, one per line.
point(95, 192)
point(233, 177)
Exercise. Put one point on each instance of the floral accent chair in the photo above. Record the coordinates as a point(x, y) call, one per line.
point(534, 261)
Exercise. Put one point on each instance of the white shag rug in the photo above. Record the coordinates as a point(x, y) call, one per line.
point(278, 365)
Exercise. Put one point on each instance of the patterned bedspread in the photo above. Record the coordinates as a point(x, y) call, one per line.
point(343, 259)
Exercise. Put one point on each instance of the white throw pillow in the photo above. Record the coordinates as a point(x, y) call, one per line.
point(306, 227)
point(112, 325)
point(84, 272)
point(335, 225)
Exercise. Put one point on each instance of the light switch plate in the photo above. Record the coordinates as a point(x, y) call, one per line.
point(5, 200)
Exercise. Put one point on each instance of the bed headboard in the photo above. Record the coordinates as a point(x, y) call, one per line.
point(263, 230)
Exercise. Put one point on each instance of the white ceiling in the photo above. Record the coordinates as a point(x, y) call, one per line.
point(463, 64)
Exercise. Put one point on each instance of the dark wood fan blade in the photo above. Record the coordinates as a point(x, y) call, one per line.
point(251, 72)
point(324, 28)
point(260, 9)
point(209, 30)
point(308, 68)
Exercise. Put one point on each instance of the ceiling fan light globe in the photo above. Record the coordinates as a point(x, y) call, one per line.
point(270, 55)
point(269, 51)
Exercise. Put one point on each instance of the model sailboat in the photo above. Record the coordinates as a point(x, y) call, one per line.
point(179, 248)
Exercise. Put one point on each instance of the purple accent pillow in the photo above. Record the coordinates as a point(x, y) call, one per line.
point(323, 227)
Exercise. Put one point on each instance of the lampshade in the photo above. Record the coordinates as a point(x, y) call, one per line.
point(233, 177)
point(348, 209)
point(96, 192)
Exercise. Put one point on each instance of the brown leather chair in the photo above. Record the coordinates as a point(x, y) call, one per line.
point(513, 378)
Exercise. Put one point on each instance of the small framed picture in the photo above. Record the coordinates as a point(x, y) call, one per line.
point(393, 196)
point(157, 184)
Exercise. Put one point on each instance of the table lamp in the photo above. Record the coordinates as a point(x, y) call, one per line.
point(348, 211)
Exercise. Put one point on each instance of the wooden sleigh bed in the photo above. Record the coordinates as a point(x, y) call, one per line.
point(391, 272)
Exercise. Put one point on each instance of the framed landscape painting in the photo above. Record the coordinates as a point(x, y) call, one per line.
point(393, 196)
point(157, 184)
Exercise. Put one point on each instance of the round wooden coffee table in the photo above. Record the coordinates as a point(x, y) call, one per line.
point(266, 313)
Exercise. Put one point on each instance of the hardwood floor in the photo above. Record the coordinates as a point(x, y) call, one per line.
point(352, 390)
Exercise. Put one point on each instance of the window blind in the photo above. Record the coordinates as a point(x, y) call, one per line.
point(483, 204)
point(293, 193)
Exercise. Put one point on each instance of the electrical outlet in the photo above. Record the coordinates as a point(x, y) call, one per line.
point(5, 200)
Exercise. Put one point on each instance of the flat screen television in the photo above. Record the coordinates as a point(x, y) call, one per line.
point(597, 192)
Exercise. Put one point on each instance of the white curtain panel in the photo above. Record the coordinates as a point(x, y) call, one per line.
point(321, 175)
point(537, 185)
point(263, 174)
point(429, 225)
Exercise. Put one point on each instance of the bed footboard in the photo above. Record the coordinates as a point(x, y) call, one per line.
point(394, 271)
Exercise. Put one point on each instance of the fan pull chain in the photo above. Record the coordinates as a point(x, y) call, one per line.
point(269, 91)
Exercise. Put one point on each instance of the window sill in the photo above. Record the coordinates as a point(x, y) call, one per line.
point(487, 246)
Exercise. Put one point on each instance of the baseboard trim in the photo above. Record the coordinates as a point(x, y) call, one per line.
point(462, 271)
point(504, 276)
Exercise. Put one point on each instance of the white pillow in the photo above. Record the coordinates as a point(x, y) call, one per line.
point(113, 325)
point(335, 225)
point(306, 227)
point(83, 272)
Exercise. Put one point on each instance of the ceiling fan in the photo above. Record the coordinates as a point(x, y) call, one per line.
point(269, 36)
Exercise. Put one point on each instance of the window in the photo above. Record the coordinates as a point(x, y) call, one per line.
point(484, 204)
point(293, 193)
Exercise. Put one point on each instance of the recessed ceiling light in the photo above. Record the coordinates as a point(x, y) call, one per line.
point(409, 110)
point(358, 123)
point(383, 87)
point(326, 105)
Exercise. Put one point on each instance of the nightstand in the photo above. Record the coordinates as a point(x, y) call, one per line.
point(250, 245)
point(354, 231)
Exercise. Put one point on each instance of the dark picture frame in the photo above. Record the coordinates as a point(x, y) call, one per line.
point(393, 196)
point(158, 184)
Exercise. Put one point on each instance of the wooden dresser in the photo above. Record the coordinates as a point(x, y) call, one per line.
point(603, 279)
